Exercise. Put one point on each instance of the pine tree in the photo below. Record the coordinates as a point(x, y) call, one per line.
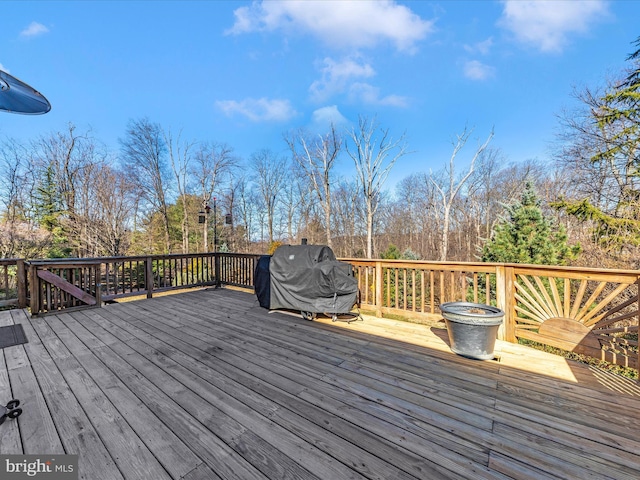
point(526, 235)
point(622, 109)
point(392, 253)
point(617, 149)
point(49, 214)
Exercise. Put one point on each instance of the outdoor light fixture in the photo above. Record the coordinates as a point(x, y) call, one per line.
point(203, 214)
point(18, 97)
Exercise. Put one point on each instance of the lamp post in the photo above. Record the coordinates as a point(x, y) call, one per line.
point(228, 220)
point(203, 217)
point(216, 257)
point(215, 226)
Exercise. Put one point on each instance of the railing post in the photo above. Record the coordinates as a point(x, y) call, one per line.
point(97, 273)
point(148, 276)
point(505, 300)
point(216, 262)
point(501, 296)
point(34, 284)
point(510, 306)
point(379, 289)
point(21, 283)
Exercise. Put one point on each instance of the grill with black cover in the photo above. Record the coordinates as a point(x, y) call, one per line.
point(308, 278)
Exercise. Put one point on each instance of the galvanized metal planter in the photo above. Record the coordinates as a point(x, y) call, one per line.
point(472, 328)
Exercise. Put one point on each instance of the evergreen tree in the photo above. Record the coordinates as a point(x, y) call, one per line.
point(526, 235)
point(47, 205)
point(616, 149)
point(392, 253)
point(49, 214)
point(622, 108)
point(409, 254)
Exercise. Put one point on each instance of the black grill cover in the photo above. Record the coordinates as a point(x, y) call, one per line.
point(307, 278)
point(262, 281)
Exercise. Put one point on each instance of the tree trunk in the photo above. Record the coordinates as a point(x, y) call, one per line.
point(167, 236)
point(369, 231)
point(185, 225)
point(205, 235)
point(327, 217)
point(444, 241)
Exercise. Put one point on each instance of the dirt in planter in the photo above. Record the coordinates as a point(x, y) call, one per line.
point(475, 310)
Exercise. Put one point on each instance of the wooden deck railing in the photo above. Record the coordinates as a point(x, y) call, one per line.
point(61, 284)
point(237, 269)
point(585, 310)
point(13, 288)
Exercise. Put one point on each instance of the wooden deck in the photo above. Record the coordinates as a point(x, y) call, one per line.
point(207, 385)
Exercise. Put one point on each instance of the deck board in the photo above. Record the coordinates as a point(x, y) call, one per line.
point(76, 432)
point(247, 351)
point(208, 385)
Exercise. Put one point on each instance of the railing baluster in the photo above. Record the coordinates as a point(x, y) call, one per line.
point(6, 281)
point(413, 290)
point(404, 288)
point(388, 292)
point(422, 291)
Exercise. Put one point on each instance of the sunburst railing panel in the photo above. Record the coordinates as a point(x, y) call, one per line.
point(592, 316)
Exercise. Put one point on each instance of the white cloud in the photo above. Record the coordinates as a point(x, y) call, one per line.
point(343, 24)
point(547, 24)
point(480, 47)
point(259, 110)
point(323, 118)
point(33, 30)
point(337, 75)
point(476, 70)
point(370, 95)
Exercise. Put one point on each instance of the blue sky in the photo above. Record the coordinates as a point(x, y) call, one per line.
point(243, 73)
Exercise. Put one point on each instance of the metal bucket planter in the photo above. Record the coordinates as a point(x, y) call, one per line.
point(472, 328)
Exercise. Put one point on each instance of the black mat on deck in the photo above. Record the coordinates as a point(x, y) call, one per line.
point(12, 335)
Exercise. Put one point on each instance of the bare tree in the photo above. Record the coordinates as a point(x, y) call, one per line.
point(449, 190)
point(294, 201)
point(180, 158)
point(233, 233)
point(404, 223)
point(317, 156)
point(349, 215)
point(68, 153)
point(107, 208)
point(12, 170)
point(247, 202)
point(59, 164)
point(212, 161)
point(270, 173)
point(144, 154)
point(374, 154)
